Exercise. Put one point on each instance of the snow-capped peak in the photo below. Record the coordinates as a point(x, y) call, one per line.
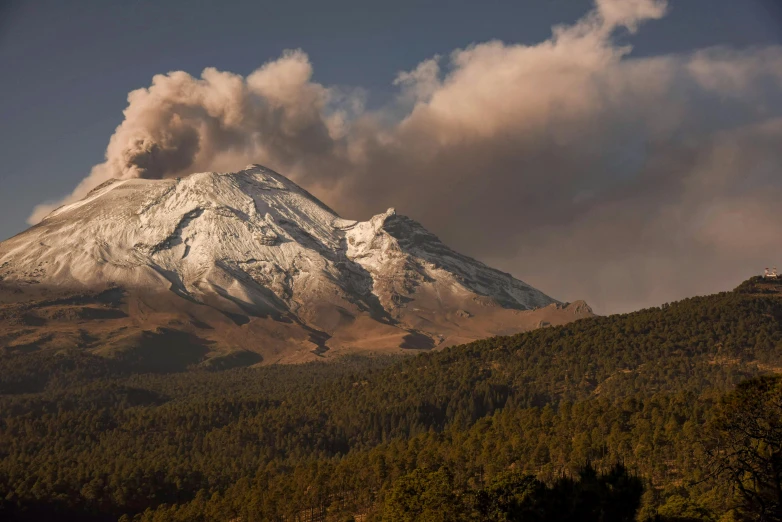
point(255, 243)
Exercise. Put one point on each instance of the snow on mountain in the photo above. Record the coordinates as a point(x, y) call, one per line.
point(251, 259)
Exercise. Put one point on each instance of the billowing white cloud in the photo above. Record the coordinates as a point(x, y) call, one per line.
point(587, 171)
point(629, 13)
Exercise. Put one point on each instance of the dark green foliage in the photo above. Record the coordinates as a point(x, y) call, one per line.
point(425, 496)
point(100, 438)
point(512, 496)
point(746, 446)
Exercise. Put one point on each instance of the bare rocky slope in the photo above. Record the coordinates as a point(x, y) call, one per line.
point(246, 267)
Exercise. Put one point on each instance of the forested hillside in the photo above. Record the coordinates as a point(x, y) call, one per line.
point(98, 439)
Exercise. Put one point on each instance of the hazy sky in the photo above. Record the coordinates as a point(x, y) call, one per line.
point(627, 178)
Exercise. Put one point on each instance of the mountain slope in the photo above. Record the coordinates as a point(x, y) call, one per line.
point(249, 261)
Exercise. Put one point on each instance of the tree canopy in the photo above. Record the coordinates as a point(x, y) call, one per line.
point(499, 426)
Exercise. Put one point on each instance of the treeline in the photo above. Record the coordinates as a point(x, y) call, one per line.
point(90, 438)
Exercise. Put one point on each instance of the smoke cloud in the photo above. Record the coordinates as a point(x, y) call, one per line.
point(576, 166)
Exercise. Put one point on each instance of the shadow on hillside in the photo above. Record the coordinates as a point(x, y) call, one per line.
point(161, 350)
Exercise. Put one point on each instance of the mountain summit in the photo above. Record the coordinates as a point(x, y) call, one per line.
point(248, 262)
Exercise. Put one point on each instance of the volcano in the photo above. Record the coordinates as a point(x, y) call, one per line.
point(226, 269)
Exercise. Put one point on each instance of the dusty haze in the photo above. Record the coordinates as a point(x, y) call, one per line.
point(586, 171)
